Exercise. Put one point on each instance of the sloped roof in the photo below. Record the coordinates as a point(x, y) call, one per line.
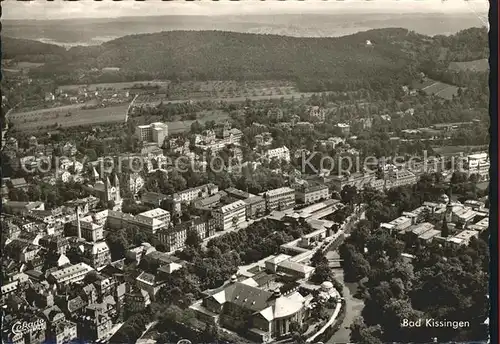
point(245, 296)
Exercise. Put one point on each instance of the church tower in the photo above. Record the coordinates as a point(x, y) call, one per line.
point(448, 215)
point(117, 188)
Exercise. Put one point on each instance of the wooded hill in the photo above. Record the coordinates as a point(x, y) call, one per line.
point(394, 55)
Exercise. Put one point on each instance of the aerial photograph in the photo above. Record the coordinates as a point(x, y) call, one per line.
point(283, 172)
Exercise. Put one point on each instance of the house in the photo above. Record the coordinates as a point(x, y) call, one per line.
point(150, 283)
point(18, 183)
point(137, 300)
point(22, 251)
point(153, 199)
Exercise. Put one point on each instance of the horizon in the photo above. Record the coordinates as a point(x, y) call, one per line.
point(84, 9)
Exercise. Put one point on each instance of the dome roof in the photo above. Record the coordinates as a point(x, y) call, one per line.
point(286, 307)
point(326, 285)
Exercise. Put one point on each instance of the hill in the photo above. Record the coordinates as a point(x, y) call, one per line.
point(316, 64)
point(31, 51)
point(217, 55)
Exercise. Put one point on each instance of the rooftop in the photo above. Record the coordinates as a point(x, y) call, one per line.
point(154, 213)
point(279, 191)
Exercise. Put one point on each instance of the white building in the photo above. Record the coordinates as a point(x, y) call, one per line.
point(154, 132)
point(344, 128)
point(479, 164)
point(70, 274)
point(281, 153)
point(281, 198)
point(202, 191)
point(400, 178)
point(230, 216)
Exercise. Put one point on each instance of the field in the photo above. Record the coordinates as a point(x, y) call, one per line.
point(114, 85)
point(28, 65)
point(67, 116)
point(453, 150)
point(476, 66)
point(177, 126)
point(437, 88)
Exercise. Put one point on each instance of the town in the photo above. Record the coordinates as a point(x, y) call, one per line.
point(174, 211)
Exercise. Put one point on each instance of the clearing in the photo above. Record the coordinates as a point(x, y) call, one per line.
point(68, 116)
point(437, 88)
point(475, 66)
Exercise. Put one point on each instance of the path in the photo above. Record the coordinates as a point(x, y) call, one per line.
point(353, 305)
point(329, 323)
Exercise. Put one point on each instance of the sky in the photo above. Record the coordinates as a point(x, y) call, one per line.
point(59, 9)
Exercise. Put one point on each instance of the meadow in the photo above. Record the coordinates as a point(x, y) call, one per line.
point(476, 66)
point(68, 116)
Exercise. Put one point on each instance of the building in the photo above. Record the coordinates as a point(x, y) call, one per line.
point(359, 180)
point(283, 263)
point(189, 195)
point(157, 214)
point(317, 114)
point(62, 331)
point(280, 199)
point(137, 300)
point(263, 315)
point(85, 228)
point(93, 325)
point(344, 128)
point(150, 283)
point(255, 207)
point(55, 244)
point(106, 191)
point(310, 194)
point(153, 199)
point(230, 216)
point(479, 164)
point(332, 142)
point(22, 208)
point(154, 132)
point(18, 183)
point(22, 251)
point(96, 254)
point(304, 127)
point(281, 153)
point(427, 236)
point(400, 178)
point(238, 194)
point(174, 237)
point(70, 274)
point(463, 238)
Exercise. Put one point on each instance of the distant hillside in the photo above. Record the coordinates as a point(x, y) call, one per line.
point(31, 51)
point(367, 59)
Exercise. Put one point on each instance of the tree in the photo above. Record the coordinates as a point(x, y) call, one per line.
point(360, 333)
point(193, 239)
point(319, 258)
point(322, 273)
point(349, 195)
point(196, 127)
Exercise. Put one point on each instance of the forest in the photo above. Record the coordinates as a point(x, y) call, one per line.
point(317, 64)
point(441, 283)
